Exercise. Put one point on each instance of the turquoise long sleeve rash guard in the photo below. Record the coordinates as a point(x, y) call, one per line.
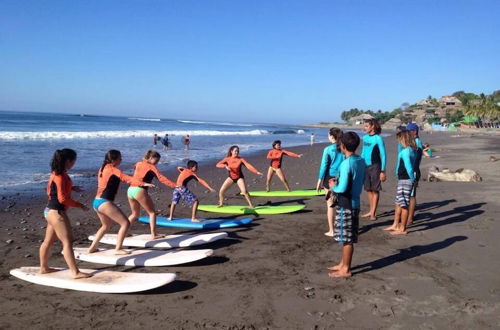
point(350, 182)
point(330, 162)
point(374, 150)
point(405, 169)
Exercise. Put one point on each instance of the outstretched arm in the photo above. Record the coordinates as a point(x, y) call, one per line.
point(250, 167)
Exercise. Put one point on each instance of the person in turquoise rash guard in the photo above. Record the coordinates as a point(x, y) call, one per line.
point(329, 169)
point(413, 129)
point(348, 189)
point(373, 153)
point(405, 171)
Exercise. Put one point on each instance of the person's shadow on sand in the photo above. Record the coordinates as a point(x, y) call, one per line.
point(458, 214)
point(405, 254)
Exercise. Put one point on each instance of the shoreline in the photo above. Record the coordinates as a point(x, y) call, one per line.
point(272, 274)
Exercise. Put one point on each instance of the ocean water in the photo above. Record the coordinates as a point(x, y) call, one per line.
point(28, 141)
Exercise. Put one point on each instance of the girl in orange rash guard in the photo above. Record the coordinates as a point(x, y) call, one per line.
point(59, 190)
point(138, 196)
point(276, 157)
point(233, 164)
point(108, 181)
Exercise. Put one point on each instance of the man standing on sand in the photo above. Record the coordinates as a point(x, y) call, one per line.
point(312, 138)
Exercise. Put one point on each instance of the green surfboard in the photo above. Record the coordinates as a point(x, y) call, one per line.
point(240, 209)
point(284, 193)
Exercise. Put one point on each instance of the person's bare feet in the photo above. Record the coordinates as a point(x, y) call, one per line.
point(170, 218)
point(336, 267)
point(329, 233)
point(399, 232)
point(373, 218)
point(390, 228)
point(366, 215)
point(80, 275)
point(220, 205)
point(156, 236)
point(48, 270)
point(195, 220)
point(121, 252)
point(340, 273)
point(92, 250)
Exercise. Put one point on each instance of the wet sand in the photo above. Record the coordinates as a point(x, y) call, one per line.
point(272, 274)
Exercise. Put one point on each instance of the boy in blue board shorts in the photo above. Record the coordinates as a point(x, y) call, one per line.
point(348, 189)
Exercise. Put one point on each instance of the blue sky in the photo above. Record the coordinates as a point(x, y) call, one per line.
point(259, 61)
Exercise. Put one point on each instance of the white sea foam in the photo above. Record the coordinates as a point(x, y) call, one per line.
point(213, 123)
point(12, 136)
point(145, 119)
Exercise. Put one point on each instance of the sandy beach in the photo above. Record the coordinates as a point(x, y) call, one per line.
point(272, 275)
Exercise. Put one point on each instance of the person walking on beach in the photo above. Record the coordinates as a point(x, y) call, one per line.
point(373, 152)
point(312, 138)
point(233, 164)
point(348, 190)
point(329, 169)
point(181, 190)
point(406, 178)
point(413, 129)
point(138, 196)
point(276, 157)
point(108, 181)
point(59, 190)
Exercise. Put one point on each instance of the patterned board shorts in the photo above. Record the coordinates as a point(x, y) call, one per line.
point(403, 193)
point(184, 193)
point(346, 225)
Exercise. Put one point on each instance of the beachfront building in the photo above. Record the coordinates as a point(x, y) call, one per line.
point(359, 120)
point(450, 102)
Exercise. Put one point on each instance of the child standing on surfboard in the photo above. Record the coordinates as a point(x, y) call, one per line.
point(276, 157)
point(329, 169)
point(348, 189)
point(182, 191)
point(233, 164)
point(138, 196)
point(108, 181)
point(59, 190)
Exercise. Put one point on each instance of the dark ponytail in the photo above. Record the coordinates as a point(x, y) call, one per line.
point(376, 125)
point(61, 156)
point(231, 149)
point(336, 133)
point(110, 157)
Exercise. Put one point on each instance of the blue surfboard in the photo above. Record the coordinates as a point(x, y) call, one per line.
point(203, 224)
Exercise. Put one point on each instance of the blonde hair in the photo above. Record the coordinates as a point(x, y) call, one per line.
point(406, 139)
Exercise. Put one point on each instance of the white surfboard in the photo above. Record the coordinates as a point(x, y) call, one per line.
point(142, 257)
point(102, 281)
point(167, 242)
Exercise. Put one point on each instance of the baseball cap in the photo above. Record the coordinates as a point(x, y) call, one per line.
point(412, 127)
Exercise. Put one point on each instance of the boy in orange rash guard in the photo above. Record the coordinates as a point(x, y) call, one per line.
point(59, 190)
point(108, 181)
point(276, 157)
point(233, 164)
point(138, 196)
point(182, 191)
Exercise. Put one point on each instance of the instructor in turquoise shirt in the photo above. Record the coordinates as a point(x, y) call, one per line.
point(374, 155)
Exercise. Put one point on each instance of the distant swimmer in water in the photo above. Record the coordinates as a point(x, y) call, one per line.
point(373, 152)
point(329, 170)
point(181, 190)
point(166, 143)
point(233, 164)
point(276, 157)
point(108, 181)
point(59, 190)
point(138, 196)
point(187, 141)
